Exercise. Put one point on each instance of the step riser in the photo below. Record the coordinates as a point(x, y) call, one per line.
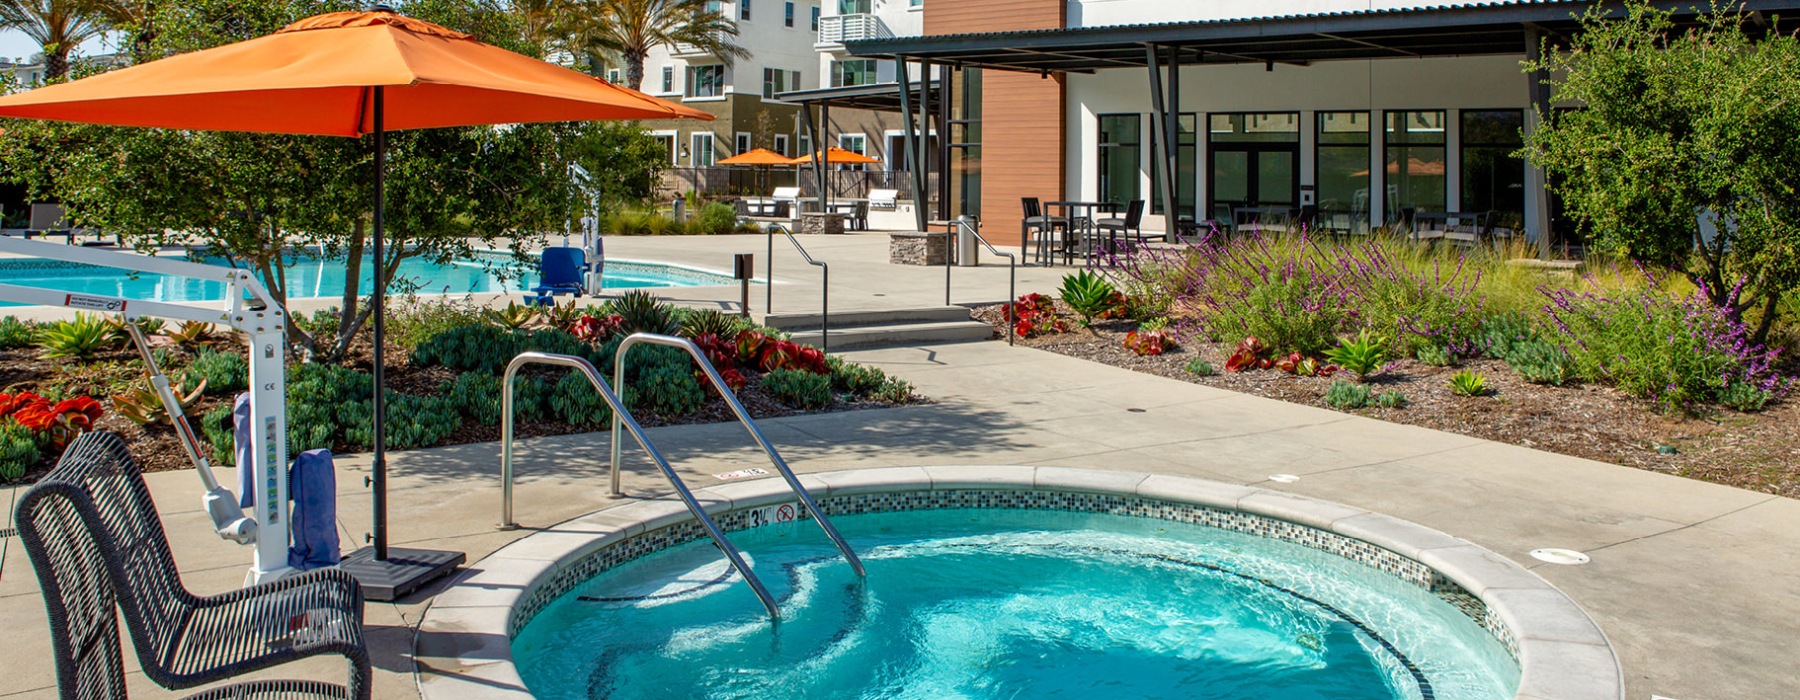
point(811, 320)
point(850, 338)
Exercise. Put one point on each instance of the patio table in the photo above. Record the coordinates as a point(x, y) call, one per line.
point(1080, 215)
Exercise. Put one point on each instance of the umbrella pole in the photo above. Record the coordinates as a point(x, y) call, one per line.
point(384, 578)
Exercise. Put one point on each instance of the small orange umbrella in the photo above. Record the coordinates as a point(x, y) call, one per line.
point(835, 155)
point(760, 156)
point(346, 74)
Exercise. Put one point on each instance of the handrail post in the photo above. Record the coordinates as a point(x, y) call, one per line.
point(825, 282)
point(1012, 278)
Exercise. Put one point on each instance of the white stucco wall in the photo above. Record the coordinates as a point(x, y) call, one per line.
point(1103, 13)
point(1450, 84)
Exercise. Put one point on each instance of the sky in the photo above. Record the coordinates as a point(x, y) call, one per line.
point(15, 45)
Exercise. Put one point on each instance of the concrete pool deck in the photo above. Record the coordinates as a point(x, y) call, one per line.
point(1693, 582)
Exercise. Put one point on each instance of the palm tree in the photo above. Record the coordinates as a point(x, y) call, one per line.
point(59, 26)
point(631, 28)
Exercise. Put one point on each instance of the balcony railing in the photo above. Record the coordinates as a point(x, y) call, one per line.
point(686, 50)
point(837, 29)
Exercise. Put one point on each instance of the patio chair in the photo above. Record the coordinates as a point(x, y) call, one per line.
point(859, 216)
point(1129, 225)
point(884, 199)
point(1039, 230)
point(560, 273)
point(95, 539)
point(1428, 226)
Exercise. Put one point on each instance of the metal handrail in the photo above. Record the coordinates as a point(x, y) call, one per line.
point(1012, 275)
point(620, 415)
point(824, 282)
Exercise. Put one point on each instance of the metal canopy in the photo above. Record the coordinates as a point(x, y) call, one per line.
point(1468, 30)
point(880, 97)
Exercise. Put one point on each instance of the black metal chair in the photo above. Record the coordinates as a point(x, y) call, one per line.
point(95, 539)
point(1040, 231)
point(1129, 225)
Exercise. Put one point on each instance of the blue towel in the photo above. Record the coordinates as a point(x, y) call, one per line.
point(312, 483)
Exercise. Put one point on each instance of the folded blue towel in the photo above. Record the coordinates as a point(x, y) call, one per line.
point(240, 433)
point(312, 483)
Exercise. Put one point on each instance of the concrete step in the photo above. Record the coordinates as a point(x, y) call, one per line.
point(799, 321)
point(854, 337)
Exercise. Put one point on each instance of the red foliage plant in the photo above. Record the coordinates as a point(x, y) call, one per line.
point(1035, 314)
point(750, 346)
point(1151, 342)
point(1296, 363)
point(594, 329)
point(1250, 354)
point(59, 423)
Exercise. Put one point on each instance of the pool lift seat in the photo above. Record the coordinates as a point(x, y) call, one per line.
point(623, 418)
point(562, 269)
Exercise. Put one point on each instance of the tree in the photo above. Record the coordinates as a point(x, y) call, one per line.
point(1675, 124)
point(58, 26)
point(257, 198)
point(629, 29)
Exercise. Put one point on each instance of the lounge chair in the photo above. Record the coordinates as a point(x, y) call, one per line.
point(94, 537)
point(560, 273)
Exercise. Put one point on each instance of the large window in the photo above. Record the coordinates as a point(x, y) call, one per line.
point(1187, 156)
point(853, 72)
point(1254, 161)
point(1415, 163)
point(1121, 141)
point(1492, 179)
point(706, 81)
point(853, 7)
point(965, 145)
point(1343, 170)
point(777, 81)
point(702, 155)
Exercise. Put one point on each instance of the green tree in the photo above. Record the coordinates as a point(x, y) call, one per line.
point(258, 197)
point(1675, 123)
point(57, 26)
point(629, 29)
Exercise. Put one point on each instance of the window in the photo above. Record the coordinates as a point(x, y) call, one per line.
point(743, 142)
point(1254, 161)
point(815, 18)
point(777, 81)
point(853, 72)
point(612, 75)
point(702, 155)
point(854, 143)
point(781, 145)
point(1492, 179)
point(668, 79)
point(916, 3)
point(1343, 170)
point(668, 143)
point(805, 145)
point(1187, 155)
point(744, 9)
point(1120, 150)
point(787, 14)
point(1415, 162)
point(716, 7)
point(706, 81)
point(853, 7)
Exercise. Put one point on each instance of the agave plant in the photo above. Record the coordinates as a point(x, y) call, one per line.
point(642, 312)
point(117, 336)
point(142, 406)
point(513, 316)
point(1362, 356)
point(1089, 295)
point(561, 317)
point(80, 338)
point(193, 335)
point(1468, 383)
point(704, 321)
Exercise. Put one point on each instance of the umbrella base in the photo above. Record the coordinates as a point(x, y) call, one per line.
point(404, 571)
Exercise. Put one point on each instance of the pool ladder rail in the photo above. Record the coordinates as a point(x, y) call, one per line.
point(622, 418)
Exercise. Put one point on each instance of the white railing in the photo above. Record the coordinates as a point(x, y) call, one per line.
point(837, 29)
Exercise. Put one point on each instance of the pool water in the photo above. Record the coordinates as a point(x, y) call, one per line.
point(310, 277)
point(985, 604)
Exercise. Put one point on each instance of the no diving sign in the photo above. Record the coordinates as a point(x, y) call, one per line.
point(783, 513)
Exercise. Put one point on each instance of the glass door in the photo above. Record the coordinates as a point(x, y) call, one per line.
point(1255, 162)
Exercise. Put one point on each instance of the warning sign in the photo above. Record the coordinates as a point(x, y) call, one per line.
point(107, 304)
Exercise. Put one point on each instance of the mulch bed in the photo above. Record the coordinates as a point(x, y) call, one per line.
point(1755, 451)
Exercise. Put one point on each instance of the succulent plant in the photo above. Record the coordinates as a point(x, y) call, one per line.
point(641, 312)
point(80, 338)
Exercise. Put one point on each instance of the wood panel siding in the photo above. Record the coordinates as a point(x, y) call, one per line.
point(970, 16)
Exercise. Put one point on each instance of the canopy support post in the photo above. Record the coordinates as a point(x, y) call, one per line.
point(1165, 128)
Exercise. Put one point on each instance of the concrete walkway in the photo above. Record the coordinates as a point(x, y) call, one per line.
point(1694, 583)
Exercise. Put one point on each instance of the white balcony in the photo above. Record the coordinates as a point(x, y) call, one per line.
point(837, 29)
point(686, 50)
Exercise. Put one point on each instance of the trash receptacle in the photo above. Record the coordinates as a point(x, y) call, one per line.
point(965, 242)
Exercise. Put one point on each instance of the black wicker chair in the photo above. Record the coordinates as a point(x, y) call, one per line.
point(96, 541)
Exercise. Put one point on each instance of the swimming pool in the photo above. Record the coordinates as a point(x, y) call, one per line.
point(309, 277)
point(487, 631)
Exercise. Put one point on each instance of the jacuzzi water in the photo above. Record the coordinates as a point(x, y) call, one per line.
point(1008, 604)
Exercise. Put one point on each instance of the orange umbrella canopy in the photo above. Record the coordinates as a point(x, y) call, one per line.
point(760, 156)
point(835, 155)
point(317, 76)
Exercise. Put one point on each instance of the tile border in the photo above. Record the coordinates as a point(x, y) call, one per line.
point(1534, 621)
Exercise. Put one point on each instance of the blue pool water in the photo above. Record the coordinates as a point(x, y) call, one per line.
point(309, 277)
point(996, 604)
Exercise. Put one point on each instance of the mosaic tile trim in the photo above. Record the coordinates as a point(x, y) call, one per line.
point(571, 574)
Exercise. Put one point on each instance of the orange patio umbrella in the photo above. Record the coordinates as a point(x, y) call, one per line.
point(760, 158)
point(347, 74)
point(835, 155)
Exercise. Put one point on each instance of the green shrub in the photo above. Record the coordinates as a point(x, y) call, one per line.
point(799, 389)
point(531, 396)
point(412, 421)
point(860, 380)
point(419, 321)
point(668, 389)
point(896, 391)
point(713, 219)
point(1390, 399)
point(1436, 356)
point(489, 348)
point(15, 333)
point(317, 397)
point(1515, 339)
point(80, 338)
point(698, 322)
point(1468, 383)
point(224, 372)
point(574, 401)
point(1361, 356)
point(1200, 368)
point(1412, 298)
point(1745, 397)
point(477, 396)
point(1347, 395)
point(19, 450)
point(1290, 315)
point(641, 312)
point(217, 426)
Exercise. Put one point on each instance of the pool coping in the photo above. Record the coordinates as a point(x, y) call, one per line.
point(463, 649)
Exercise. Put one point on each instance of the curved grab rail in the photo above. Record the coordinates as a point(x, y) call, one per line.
point(637, 431)
point(743, 416)
point(1012, 276)
point(824, 282)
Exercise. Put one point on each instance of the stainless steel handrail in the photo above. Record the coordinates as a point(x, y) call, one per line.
point(620, 414)
point(743, 416)
point(824, 282)
point(1012, 275)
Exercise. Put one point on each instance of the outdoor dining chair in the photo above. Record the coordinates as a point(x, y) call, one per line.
point(1039, 230)
point(94, 537)
point(1129, 225)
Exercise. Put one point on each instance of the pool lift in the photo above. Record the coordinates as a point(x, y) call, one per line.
point(247, 308)
point(591, 244)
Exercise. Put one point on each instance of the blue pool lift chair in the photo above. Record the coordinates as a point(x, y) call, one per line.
point(561, 271)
